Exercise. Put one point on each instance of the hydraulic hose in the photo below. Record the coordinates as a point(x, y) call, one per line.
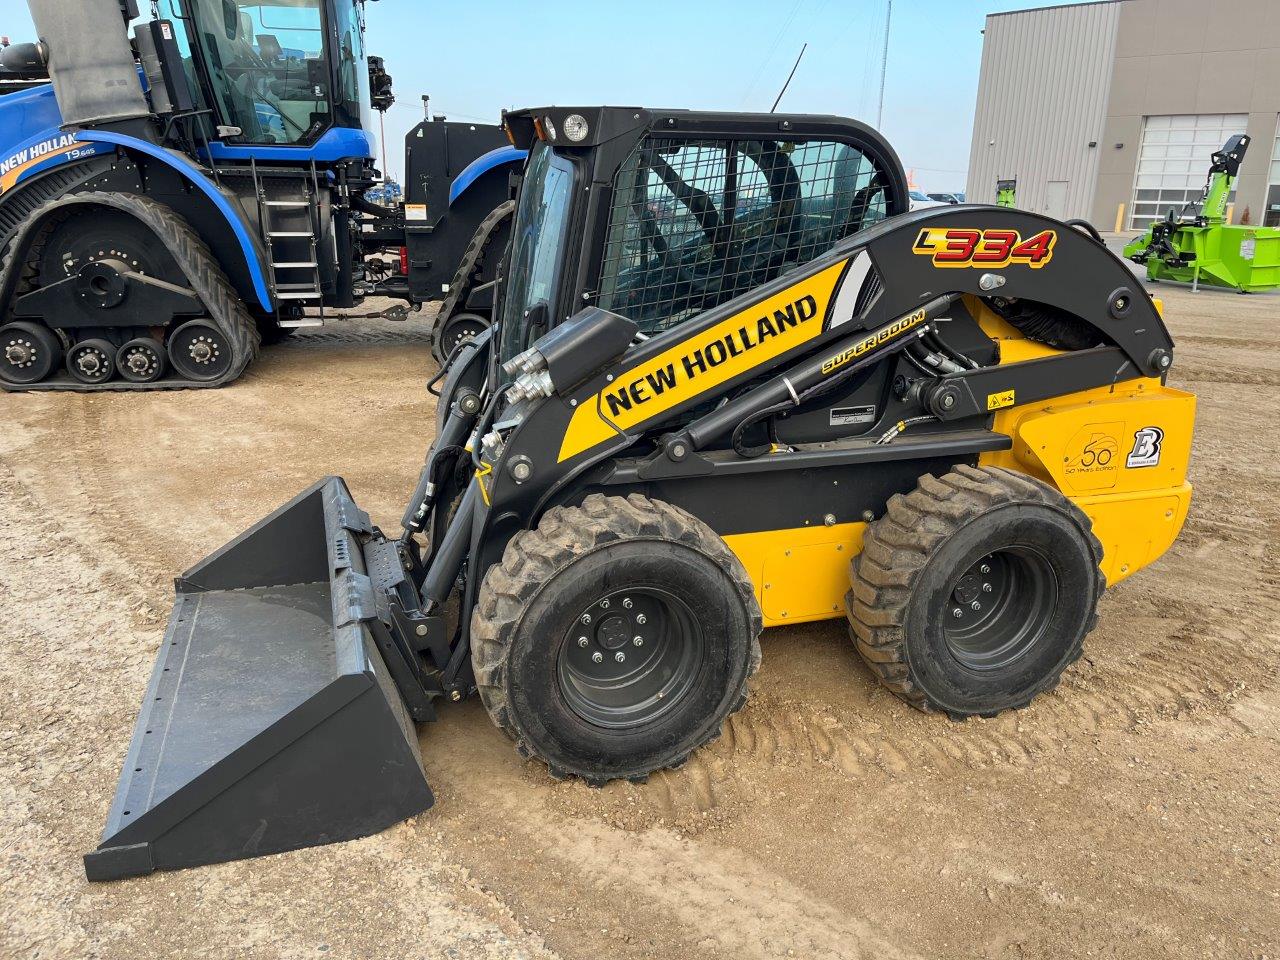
point(372, 209)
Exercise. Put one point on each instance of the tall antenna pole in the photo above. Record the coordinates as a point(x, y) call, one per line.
point(884, 65)
point(789, 76)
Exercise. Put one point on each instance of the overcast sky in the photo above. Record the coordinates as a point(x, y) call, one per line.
point(476, 58)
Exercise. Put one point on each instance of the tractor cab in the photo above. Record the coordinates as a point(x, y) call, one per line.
point(662, 215)
point(273, 72)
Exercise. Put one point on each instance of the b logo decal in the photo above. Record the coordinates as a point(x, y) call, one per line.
point(1146, 448)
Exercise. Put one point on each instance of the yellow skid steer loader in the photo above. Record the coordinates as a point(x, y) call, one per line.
point(733, 383)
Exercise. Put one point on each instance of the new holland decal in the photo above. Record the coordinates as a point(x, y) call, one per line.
point(704, 360)
point(984, 249)
point(17, 166)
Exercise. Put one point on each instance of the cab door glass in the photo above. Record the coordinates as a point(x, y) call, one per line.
point(267, 64)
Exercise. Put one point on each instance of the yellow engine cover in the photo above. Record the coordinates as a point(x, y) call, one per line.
point(1120, 454)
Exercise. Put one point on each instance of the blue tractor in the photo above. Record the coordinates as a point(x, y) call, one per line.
point(179, 187)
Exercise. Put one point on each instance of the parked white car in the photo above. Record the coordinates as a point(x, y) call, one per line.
point(921, 200)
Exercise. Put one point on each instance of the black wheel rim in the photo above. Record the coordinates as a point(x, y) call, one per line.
point(199, 351)
point(460, 331)
point(91, 362)
point(611, 680)
point(999, 608)
point(27, 355)
point(140, 361)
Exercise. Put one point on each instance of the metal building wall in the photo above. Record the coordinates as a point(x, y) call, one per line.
point(1024, 126)
point(1179, 57)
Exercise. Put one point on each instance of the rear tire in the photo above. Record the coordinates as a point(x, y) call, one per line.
point(608, 572)
point(974, 592)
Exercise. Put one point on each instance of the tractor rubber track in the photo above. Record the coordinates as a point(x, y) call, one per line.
point(472, 259)
point(896, 547)
point(564, 535)
point(194, 258)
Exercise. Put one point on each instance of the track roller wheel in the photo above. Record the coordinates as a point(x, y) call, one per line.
point(975, 591)
point(460, 328)
point(141, 360)
point(199, 351)
point(29, 352)
point(92, 361)
point(615, 638)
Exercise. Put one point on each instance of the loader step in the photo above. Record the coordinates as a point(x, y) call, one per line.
point(271, 721)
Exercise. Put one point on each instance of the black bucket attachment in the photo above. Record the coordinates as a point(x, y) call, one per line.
point(271, 721)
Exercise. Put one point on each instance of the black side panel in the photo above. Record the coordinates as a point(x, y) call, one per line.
point(435, 153)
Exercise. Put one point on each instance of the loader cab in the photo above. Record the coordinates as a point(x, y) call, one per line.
point(661, 215)
point(274, 73)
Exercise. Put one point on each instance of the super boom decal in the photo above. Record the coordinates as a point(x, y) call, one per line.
point(704, 360)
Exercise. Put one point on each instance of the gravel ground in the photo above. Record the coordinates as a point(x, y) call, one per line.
point(1130, 813)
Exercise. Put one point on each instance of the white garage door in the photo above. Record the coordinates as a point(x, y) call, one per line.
point(1174, 161)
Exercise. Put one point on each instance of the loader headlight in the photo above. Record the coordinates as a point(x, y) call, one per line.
point(550, 127)
point(575, 127)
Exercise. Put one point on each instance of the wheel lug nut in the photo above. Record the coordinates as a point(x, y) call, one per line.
point(620, 656)
point(638, 641)
point(597, 657)
point(985, 568)
point(641, 619)
point(582, 641)
point(957, 613)
point(604, 604)
point(586, 618)
point(975, 605)
point(626, 603)
point(986, 588)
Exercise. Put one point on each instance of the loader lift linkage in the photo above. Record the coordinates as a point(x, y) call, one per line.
point(733, 383)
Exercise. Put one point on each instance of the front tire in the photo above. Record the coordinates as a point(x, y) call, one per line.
point(973, 593)
point(608, 573)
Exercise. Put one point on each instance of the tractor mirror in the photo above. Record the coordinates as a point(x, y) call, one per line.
point(230, 19)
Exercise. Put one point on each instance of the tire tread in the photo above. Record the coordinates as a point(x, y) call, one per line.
point(897, 546)
point(533, 557)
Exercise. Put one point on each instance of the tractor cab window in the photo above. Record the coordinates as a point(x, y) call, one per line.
point(541, 225)
point(268, 64)
point(696, 223)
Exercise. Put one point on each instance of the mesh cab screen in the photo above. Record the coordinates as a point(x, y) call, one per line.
point(696, 223)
